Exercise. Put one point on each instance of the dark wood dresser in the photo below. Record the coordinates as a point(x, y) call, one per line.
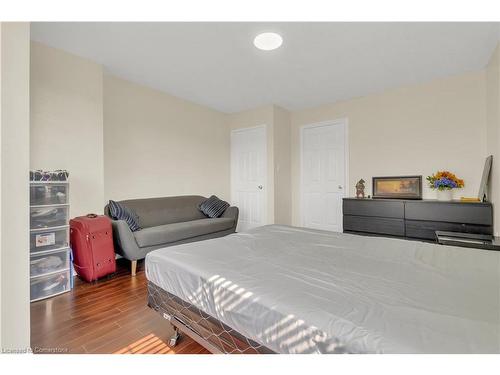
point(418, 219)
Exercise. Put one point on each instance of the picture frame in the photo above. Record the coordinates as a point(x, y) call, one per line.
point(483, 186)
point(397, 187)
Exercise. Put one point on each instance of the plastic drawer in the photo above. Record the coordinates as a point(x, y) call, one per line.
point(45, 193)
point(48, 263)
point(49, 239)
point(47, 286)
point(48, 216)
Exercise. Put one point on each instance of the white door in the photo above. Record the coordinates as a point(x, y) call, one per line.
point(248, 175)
point(323, 174)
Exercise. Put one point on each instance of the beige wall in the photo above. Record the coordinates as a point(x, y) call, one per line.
point(1, 215)
point(67, 123)
point(493, 136)
point(158, 145)
point(14, 194)
point(411, 130)
point(493, 131)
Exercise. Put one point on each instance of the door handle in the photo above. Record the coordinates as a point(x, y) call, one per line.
point(260, 187)
point(340, 187)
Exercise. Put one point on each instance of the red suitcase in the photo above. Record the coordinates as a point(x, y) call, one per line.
point(91, 239)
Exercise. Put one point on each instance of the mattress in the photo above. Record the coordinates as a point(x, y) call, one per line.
point(296, 290)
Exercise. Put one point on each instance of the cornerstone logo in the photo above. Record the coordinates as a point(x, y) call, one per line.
point(56, 350)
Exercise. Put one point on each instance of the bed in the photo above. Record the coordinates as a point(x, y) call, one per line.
point(282, 289)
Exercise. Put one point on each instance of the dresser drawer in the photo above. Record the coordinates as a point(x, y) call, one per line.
point(47, 286)
point(427, 229)
point(49, 239)
point(393, 227)
point(468, 213)
point(46, 263)
point(42, 217)
point(378, 208)
point(46, 193)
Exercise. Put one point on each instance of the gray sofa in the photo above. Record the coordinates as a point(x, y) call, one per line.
point(166, 222)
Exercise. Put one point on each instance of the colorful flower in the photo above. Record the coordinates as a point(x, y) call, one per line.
point(444, 180)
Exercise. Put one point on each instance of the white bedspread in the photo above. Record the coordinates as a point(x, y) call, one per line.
point(297, 290)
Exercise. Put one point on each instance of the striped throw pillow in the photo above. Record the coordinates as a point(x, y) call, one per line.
point(120, 212)
point(213, 207)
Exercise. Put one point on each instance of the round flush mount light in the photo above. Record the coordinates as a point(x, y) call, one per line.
point(268, 41)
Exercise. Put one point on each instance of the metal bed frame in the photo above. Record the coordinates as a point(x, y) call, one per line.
point(209, 332)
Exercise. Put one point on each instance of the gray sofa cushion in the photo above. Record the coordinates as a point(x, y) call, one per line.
point(163, 234)
point(213, 207)
point(121, 212)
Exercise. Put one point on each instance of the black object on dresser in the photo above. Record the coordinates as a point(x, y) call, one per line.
point(416, 219)
point(477, 241)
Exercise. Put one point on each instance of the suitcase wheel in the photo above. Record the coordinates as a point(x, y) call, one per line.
point(173, 339)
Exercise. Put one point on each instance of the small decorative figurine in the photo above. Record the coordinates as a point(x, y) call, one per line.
point(360, 189)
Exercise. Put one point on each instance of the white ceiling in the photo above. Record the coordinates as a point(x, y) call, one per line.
point(216, 64)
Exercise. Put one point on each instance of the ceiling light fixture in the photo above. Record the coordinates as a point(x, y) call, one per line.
point(268, 41)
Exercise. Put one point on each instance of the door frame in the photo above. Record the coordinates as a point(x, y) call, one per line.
point(337, 122)
point(264, 182)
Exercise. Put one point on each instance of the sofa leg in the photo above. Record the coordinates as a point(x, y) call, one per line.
point(134, 267)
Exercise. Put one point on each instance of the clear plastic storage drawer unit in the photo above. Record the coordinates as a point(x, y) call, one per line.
point(47, 263)
point(49, 239)
point(48, 216)
point(50, 285)
point(47, 193)
point(50, 254)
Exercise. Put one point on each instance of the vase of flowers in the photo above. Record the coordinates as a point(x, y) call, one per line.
point(444, 182)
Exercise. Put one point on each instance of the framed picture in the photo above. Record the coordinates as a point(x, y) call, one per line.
point(400, 187)
point(483, 187)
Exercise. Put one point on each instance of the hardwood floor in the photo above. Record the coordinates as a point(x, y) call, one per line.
point(108, 316)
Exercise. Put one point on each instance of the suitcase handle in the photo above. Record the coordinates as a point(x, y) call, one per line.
point(91, 216)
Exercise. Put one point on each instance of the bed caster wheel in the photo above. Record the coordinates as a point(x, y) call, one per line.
point(173, 340)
